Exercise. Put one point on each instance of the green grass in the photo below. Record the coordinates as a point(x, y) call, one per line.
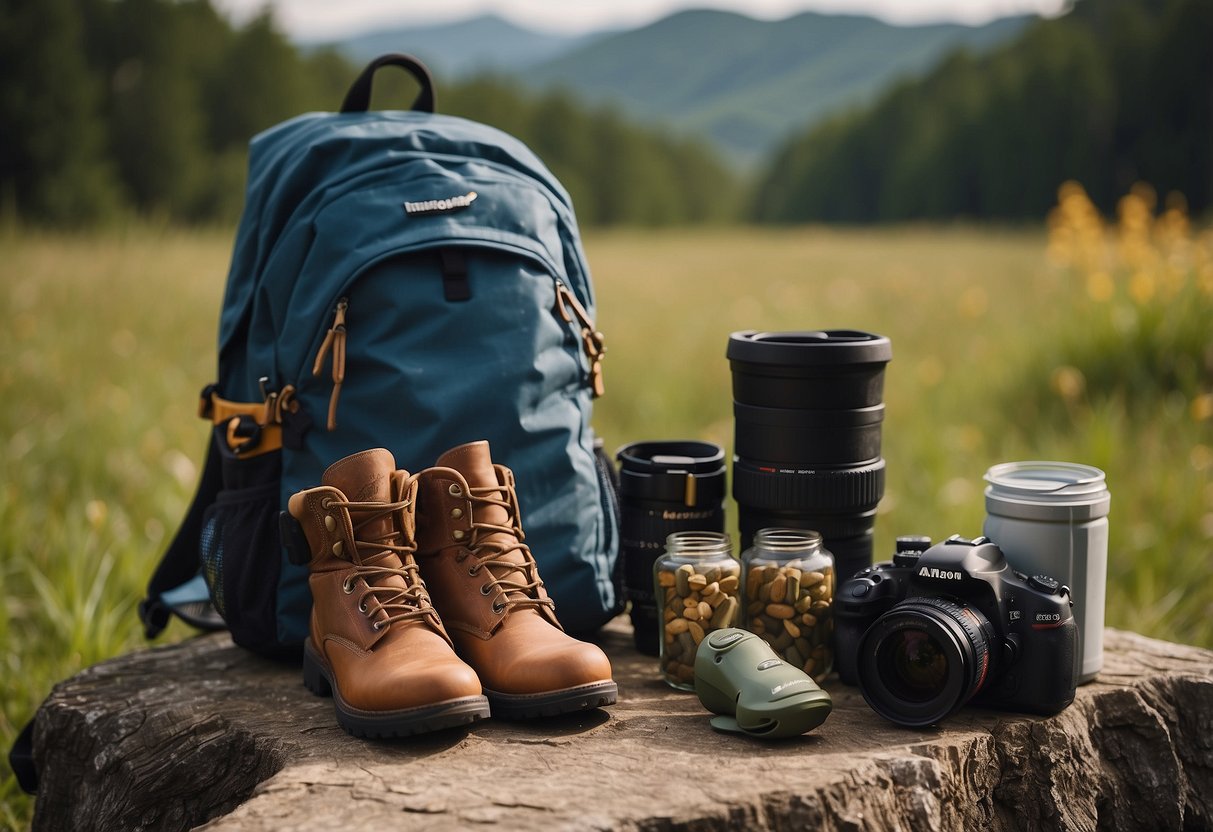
point(108, 338)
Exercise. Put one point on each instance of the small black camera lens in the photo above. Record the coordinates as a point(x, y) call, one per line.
point(664, 487)
point(924, 659)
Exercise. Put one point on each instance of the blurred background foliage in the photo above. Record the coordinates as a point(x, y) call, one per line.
point(112, 108)
point(1115, 92)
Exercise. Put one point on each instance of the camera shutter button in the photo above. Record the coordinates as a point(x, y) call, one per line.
point(861, 589)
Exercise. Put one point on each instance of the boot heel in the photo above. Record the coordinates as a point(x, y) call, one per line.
point(313, 677)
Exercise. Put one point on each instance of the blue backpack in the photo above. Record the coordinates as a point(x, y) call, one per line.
point(402, 280)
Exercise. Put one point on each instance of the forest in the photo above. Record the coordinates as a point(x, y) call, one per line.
point(121, 108)
point(1114, 93)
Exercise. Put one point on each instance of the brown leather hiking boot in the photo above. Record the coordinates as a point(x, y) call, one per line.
point(486, 584)
point(376, 642)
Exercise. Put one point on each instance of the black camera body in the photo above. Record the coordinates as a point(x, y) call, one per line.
point(943, 625)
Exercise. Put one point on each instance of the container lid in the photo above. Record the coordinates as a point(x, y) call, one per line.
point(1053, 491)
point(826, 347)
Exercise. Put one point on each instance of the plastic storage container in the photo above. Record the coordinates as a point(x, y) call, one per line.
point(698, 582)
point(789, 597)
point(1051, 518)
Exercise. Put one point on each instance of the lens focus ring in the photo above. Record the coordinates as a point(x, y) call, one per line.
point(824, 489)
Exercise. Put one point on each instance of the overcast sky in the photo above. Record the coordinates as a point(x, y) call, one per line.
point(322, 19)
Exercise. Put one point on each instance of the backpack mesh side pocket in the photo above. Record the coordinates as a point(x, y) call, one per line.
point(240, 548)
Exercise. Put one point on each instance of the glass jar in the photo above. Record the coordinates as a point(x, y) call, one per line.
point(789, 597)
point(698, 583)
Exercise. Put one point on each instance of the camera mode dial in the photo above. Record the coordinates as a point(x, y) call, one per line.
point(1045, 584)
point(910, 548)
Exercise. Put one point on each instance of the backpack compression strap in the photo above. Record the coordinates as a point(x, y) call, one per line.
point(250, 428)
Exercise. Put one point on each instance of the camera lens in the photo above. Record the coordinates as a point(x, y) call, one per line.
point(923, 659)
point(808, 412)
point(664, 487)
point(918, 665)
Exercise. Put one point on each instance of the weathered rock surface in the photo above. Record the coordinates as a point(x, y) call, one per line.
point(202, 731)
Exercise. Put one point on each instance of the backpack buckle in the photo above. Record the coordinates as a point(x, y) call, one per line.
point(243, 434)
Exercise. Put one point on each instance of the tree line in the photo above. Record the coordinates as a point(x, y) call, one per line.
point(145, 107)
point(1116, 92)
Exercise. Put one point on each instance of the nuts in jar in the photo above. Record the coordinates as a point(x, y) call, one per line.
point(789, 595)
point(697, 582)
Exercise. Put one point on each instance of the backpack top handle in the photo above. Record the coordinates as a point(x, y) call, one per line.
point(358, 99)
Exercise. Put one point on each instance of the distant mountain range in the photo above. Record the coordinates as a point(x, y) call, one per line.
point(741, 83)
point(487, 43)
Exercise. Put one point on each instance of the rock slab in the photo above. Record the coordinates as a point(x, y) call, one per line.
point(204, 733)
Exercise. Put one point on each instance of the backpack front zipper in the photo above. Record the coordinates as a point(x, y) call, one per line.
point(592, 341)
point(334, 340)
point(568, 308)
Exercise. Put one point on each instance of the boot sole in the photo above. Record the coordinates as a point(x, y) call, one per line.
point(405, 722)
point(552, 703)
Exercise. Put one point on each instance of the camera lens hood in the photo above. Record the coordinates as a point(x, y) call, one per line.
point(833, 369)
point(825, 347)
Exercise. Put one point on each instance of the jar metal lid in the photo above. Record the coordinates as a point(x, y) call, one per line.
point(1038, 490)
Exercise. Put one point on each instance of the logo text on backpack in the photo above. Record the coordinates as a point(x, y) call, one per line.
point(439, 206)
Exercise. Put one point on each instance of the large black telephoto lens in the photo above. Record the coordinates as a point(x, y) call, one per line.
point(807, 409)
point(923, 659)
point(664, 487)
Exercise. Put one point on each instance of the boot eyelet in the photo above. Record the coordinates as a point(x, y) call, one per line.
point(474, 571)
point(330, 522)
point(362, 607)
point(458, 534)
point(498, 608)
point(326, 503)
point(347, 586)
point(377, 626)
point(485, 590)
point(456, 513)
point(455, 490)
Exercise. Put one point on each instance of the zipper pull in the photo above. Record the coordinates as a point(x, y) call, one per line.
point(592, 341)
point(334, 340)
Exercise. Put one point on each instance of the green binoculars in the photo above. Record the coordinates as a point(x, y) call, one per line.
point(753, 691)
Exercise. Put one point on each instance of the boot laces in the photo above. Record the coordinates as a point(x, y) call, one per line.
point(516, 584)
point(395, 603)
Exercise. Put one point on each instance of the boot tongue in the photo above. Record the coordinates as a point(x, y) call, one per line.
point(365, 477)
point(474, 462)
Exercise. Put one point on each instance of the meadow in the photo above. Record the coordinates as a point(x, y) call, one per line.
point(1061, 343)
